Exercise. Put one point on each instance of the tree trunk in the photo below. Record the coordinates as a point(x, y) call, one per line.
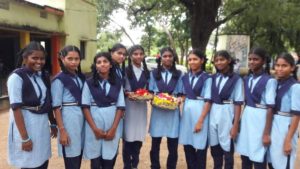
point(203, 14)
point(203, 21)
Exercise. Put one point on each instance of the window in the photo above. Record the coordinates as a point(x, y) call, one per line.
point(82, 49)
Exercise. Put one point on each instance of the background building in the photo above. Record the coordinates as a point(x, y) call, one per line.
point(54, 23)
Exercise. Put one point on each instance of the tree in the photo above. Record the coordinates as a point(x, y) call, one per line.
point(197, 18)
point(107, 39)
point(273, 25)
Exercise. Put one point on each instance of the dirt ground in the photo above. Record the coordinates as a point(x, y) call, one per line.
point(57, 163)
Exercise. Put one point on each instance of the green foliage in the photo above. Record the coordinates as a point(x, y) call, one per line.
point(107, 39)
point(105, 8)
point(274, 24)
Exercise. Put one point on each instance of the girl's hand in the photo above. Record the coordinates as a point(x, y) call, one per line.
point(198, 127)
point(266, 140)
point(27, 146)
point(53, 132)
point(130, 94)
point(110, 134)
point(234, 132)
point(287, 147)
point(64, 138)
point(179, 100)
point(99, 133)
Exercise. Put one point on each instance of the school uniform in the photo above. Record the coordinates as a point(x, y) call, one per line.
point(164, 123)
point(28, 91)
point(227, 91)
point(260, 92)
point(103, 102)
point(287, 105)
point(135, 119)
point(120, 74)
point(66, 94)
point(197, 91)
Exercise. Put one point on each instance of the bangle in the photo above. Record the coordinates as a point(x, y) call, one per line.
point(53, 125)
point(26, 140)
point(61, 128)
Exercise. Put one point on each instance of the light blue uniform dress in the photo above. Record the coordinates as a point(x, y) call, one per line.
point(192, 110)
point(222, 115)
point(290, 103)
point(103, 118)
point(164, 123)
point(135, 119)
point(253, 122)
point(72, 116)
point(37, 127)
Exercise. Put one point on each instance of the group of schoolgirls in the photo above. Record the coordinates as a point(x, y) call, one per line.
point(90, 115)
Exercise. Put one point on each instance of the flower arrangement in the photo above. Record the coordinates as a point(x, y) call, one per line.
point(141, 95)
point(165, 101)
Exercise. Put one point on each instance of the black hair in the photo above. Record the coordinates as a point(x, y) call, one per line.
point(63, 53)
point(176, 73)
point(114, 48)
point(262, 53)
point(227, 56)
point(290, 60)
point(200, 55)
point(112, 71)
point(129, 71)
point(28, 50)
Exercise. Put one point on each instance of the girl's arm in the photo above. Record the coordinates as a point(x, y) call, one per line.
point(14, 86)
point(112, 131)
point(204, 113)
point(235, 127)
point(207, 104)
point(238, 101)
point(26, 141)
point(270, 95)
point(53, 125)
point(98, 132)
point(266, 135)
point(119, 114)
point(287, 147)
point(64, 137)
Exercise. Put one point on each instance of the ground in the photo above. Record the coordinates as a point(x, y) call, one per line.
point(57, 163)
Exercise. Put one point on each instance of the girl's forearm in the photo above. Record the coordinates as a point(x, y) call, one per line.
point(269, 120)
point(19, 119)
point(89, 118)
point(293, 127)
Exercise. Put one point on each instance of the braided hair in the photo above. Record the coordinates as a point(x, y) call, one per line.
point(27, 51)
point(290, 60)
point(200, 55)
point(63, 53)
point(227, 56)
point(262, 53)
point(176, 73)
point(129, 71)
point(116, 47)
point(112, 70)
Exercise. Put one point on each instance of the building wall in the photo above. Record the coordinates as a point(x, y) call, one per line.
point(80, 21)
point(26, 15)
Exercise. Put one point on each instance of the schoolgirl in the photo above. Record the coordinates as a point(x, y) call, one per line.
point(284, 134)
point(29, 143)
point(135, 119)
point(256, 122)
point(165, 123)
point(194, 121)
point(103, 104)
point(66, 95)
point(118, 53)
point(227, 98)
